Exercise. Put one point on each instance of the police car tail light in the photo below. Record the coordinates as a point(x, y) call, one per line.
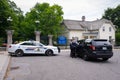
point(92, 47)
point(10, 46)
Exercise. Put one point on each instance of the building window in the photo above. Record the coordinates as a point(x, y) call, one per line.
point(85, 37)
point(103, 28)
point(92, 37)
point(75, 38)
point(110, 29)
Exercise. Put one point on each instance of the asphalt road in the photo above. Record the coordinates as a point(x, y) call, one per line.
point(63, 67)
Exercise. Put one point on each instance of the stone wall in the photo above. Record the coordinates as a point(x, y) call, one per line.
point(2, 48)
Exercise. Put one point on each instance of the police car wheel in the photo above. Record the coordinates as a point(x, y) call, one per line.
point(19, 53)
point(49, 53)
point(10, 54)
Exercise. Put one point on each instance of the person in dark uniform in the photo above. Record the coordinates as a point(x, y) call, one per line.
point(73, 46)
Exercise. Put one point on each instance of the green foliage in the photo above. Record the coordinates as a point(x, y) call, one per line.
point(9, 9)
point(4, 13)
point(1, 40)
point(49, 17)
point(113, 14)
point(117, 36)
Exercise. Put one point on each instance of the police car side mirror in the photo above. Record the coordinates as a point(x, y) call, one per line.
point(41, 45)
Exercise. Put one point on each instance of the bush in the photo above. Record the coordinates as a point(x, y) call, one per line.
point(1, 41)
point(117, 36)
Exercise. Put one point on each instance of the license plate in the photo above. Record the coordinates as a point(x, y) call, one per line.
point(104, 48)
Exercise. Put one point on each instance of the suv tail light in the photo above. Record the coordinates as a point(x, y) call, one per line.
point(92, 47)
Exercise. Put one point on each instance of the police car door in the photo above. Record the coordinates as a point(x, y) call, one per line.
point(39, 48)
point(28, 47)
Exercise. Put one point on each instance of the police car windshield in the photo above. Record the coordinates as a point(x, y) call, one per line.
point(32, 43)
point(39, 44)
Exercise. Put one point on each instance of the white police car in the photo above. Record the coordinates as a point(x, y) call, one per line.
point(32, 47)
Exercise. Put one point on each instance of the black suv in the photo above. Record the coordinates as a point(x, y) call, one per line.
point(94, 48)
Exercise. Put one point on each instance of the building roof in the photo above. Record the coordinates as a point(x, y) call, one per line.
point(73, 24)
point(82, 25)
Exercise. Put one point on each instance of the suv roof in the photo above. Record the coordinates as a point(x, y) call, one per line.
point(100, 39)
point(89, 40)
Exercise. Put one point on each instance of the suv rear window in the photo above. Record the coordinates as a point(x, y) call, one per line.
point(100, 42)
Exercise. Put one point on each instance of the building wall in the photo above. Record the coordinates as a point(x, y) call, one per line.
point(76, 33)
point(106, 34)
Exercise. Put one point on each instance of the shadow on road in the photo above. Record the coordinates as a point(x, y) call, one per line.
point(35, 55)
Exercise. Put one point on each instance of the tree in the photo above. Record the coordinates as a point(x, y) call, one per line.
point(113, 14)
point(9, 9)
point(18, 13)
point(50, 18)
point(4, 13)
point(117, 35)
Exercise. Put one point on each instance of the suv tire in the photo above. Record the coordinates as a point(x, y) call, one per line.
point(85, 57)
point(105, 59)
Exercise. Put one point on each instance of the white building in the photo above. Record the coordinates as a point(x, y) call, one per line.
point(99, 29)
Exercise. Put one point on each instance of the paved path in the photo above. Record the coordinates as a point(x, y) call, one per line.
point(63, 67)
point(4, 61)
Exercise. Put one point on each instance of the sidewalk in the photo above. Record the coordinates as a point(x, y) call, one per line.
point(4, 61)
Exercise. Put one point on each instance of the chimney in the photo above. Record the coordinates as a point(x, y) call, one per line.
point(83, 18)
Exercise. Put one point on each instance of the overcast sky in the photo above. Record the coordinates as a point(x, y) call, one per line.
point(74, 9)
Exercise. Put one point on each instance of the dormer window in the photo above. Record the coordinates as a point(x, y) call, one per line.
point(110, 29)
point(103, 28)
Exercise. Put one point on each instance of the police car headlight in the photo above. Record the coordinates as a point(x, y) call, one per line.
point(55, 49)
point(45, 48)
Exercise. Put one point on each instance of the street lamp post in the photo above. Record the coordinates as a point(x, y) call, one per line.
point(9, 19)
point(37, 32)
point(50, 39)
point(9, 32)
point(37, 24)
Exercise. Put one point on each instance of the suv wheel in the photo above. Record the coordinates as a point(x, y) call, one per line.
point(19, 53)
point(105, 59)
point(85, 57)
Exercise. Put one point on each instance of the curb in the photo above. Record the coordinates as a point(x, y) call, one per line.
point(65, 49)
point(4, 67)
